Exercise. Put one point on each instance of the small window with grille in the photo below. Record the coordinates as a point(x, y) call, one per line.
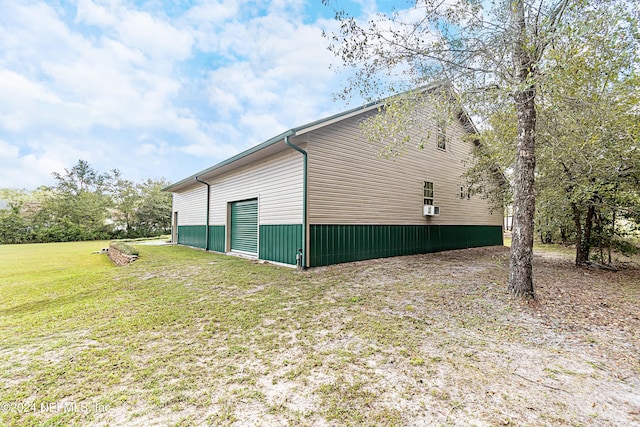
point(428, 193)
point(441, 135)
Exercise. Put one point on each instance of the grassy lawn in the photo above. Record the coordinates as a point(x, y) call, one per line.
point(183, 337)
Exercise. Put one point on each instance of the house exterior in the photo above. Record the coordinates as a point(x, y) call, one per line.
point(323, 189)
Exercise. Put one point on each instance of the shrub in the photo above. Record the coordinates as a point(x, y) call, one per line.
point(124, 248)
point(627, 246)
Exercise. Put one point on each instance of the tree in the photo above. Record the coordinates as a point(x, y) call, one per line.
point(588, 130)
point(85, 205)
point(154, 211)
point(77, 207)
point(494, 53)
point(126, 199)
point(13, 226)
point(17, 218)
point(142, 209)
point(81, 178)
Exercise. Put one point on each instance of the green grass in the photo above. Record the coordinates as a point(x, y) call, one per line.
point(184, 337)
point(161, 331)
point(570, 250)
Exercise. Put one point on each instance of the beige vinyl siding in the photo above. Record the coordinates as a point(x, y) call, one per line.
point(350, 184)
point(191, 205)
point(275, 181)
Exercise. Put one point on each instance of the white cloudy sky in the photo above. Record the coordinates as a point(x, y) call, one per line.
point(156, 88)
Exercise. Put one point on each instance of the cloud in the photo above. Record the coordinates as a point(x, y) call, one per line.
point(30, 170)
point(279, 78)
point(94, 14)
point(119, 78)
point(139, 30)
point(27, 103)
point(208, 14)
point(154, 88)
point(16, 91)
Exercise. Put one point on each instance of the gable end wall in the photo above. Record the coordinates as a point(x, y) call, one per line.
point(362, 206)
point(349, 183)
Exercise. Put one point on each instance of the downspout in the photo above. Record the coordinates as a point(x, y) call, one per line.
point(304, 196)
point(206, 231)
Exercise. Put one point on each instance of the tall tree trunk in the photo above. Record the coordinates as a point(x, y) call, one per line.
point(521, 257)
point(583, 234)
point(586, 235)
point(577, 220)
point(613, 233)
point(600, 231)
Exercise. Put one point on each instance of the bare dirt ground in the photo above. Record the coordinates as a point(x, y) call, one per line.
point(426, 340)
point(480, 357)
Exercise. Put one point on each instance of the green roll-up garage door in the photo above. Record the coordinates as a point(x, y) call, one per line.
point(244, 226)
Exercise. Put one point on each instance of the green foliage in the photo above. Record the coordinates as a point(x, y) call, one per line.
point(85, 205)
point(142, 209)
point(153, 213)
point(627, 246)
point(81, 178)
point(588, 129)
point(124, 248)
point(13, 226)
point(589, 159)
point(490, 174)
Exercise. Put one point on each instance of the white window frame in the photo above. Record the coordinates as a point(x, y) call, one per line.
point(427, 193)
point(441, 135)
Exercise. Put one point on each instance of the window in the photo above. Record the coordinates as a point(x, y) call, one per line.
point(465, 192)
point(442, 135)
point(428, 193)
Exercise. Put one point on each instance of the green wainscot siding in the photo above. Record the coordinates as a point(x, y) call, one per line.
point(217, 234)
point(280, 243)
point(192, 235)
point(333, 244)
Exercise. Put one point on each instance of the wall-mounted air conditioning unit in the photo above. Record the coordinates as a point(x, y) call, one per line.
point(429, 210)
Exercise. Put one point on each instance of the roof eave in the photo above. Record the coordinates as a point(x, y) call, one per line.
point(291, 132)
point(296, 131)
point(230, 160)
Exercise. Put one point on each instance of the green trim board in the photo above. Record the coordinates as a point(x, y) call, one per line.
point(333, 244)
point(280, 243)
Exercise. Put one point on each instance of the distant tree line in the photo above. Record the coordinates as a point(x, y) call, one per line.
point(85, 205)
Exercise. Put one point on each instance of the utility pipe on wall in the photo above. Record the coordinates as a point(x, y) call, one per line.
point(304, 197)
point(206, 231)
